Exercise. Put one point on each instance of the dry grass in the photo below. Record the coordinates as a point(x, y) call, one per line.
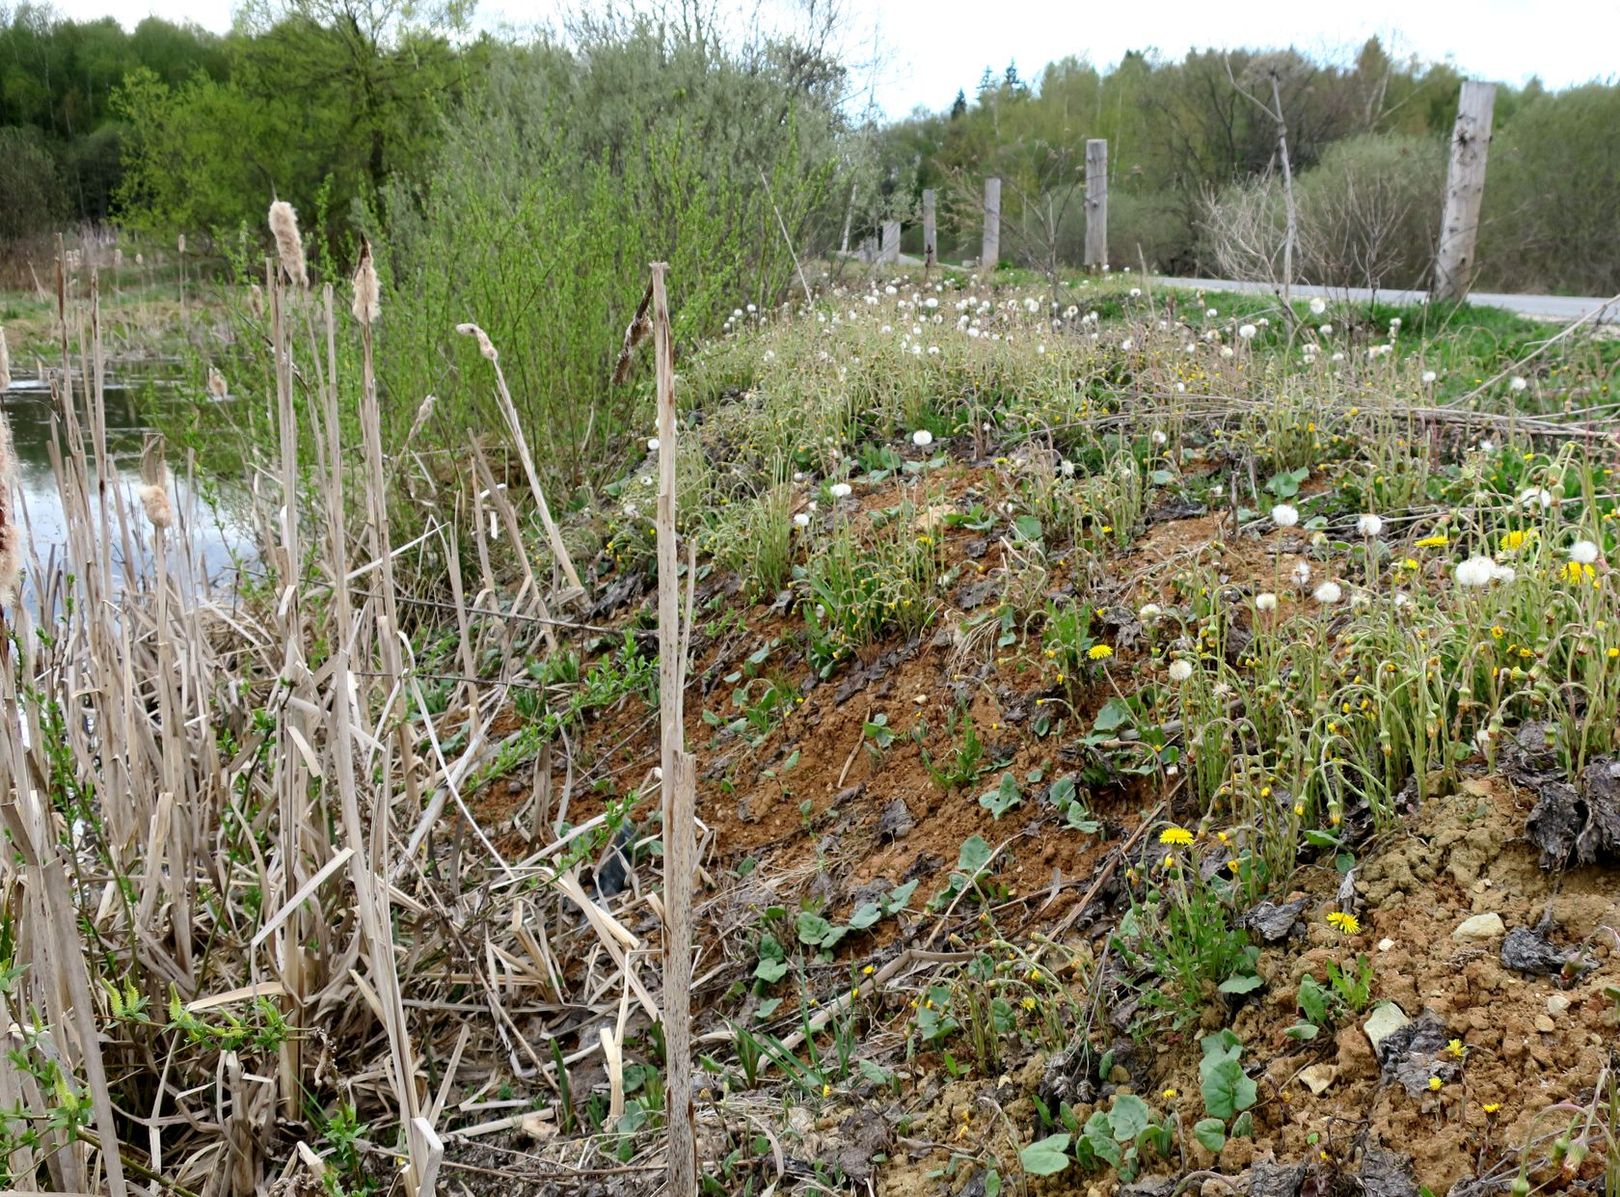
point(241, 835)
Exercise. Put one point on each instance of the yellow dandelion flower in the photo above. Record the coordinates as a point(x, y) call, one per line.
point(1170, 1095)
point(1176, 835)
point(1347, 924)
point(1456, 1049)
point(1438, 540)
point(1491, 1107)
point(1434, 1084)
point(1099, 652)
point(1029, 1003)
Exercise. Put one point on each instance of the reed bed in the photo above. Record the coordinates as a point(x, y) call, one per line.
point(250, 932)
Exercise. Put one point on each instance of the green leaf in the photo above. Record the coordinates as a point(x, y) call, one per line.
point(1063, 791)
point(992, 1183)
point(865, 915)
point(873, 1072)
point(974, 856)
point(1211, 1132)
point(899, 896)
point(766, 1008)
point(1100, 1137)
point(1003, 798)
point(1114, 714)
point(1027, 527)
point(1225, 1088)
point(817, 932)
point(1303, 1030)
point(771, 971)
point(1128, 1117)
point(1241, 984)
point(1046, 1157)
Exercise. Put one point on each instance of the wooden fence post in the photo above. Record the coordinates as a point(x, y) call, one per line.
point(991, 255)
point(891, 242)
point(1465, 188)
point(930, 233)
point(1096, 202)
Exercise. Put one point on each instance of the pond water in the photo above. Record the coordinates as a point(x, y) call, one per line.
point(134, 401)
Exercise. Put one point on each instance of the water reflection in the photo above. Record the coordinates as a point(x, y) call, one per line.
point(220, 542)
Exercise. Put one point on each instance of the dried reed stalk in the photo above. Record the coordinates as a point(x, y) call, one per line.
point(679, 777)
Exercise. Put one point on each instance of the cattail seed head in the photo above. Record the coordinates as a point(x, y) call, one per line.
point(485, 347)
point(181, 243)
point(256, 301)
point(365, 287)
point(289, 244)
point(5, 362)
point(422, 414)
point(10, 546)
point(216, 384)
point(155, 498)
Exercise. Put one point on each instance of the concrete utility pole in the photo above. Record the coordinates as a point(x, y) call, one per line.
point(930, 237)
point(1096, 203)
point(1454, 262)
point(992, 224)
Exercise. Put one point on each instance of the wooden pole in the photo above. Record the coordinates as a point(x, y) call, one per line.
point(891, 242)
point(1465, 187)
point(1096, 203)
point(679, 780)
point(930, 233)
point(992, 224)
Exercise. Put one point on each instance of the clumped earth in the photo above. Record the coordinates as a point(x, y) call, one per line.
point(937, 864)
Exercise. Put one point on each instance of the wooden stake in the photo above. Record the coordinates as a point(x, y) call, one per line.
point(891, 242)
point(679, 780)
point(1097, 203)
point(992, 224)
point(1465, 188)
point(930, 234)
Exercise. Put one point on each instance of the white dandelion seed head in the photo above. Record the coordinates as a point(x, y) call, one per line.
point(1158, 437)
point(1429, 376)
point(1265, 601)
point(922, 438)
point(652, 444)
point(1284, 515)
point(1475, 572)
point(1583, 552)
point(1328, 593)
point(1302, 573)
point(1370, 525)
point(802, 520)
point(1149, 612)
point(1180, 671)
point(1536, 496)
point(1325, 330)
point(1127, 344)
point(1318, 306)
point(1503, 574)
point(839, 490)
point(1247, 331)
point(1516, 384)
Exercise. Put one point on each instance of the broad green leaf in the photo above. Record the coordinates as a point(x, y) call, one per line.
point(1046, 1157)
point(865, 915)
point(1244, 983)
point(1128, 1117)
point(974, 856)
point(1211, 1132)
point(771, 970)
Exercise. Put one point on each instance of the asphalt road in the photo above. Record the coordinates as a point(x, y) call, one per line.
point(1565, 308)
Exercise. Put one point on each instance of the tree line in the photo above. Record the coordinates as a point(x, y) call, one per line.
point(1193, 164)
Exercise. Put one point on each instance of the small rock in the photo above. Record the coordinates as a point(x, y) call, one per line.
point(1318, 1077)
point(1545, 1025)
point(1385, 944)
point(1384, 1022)
point(1480, 928)
point(1557, 1005)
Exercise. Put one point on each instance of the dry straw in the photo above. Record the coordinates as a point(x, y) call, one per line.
point(5, 362)
point(216, 384)
point(289, 244)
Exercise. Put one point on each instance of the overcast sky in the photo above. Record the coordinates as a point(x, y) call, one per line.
point(933, 47)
